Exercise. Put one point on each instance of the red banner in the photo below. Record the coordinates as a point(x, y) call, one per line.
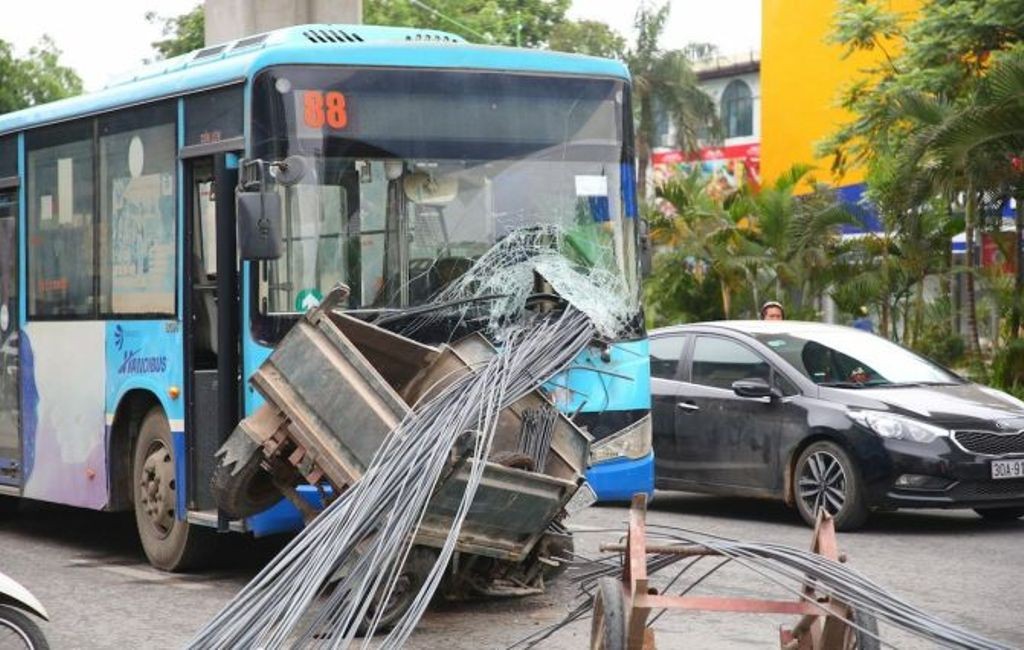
point(728, 167)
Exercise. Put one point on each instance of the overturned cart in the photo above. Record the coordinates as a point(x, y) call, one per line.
point(336, 386)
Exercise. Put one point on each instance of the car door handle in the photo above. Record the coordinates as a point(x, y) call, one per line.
point(688, 406)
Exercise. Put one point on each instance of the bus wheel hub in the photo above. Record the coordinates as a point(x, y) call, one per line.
point(157, 489)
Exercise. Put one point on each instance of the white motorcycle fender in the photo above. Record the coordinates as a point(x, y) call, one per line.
point(13, 591)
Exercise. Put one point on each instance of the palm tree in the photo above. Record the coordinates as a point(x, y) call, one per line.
point(663, 80)
point(711, 229)
point(991, 129)
point(967, 150)
point(798, 235)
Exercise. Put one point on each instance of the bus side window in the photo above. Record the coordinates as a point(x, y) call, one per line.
point(61, 223)
point(138, 242)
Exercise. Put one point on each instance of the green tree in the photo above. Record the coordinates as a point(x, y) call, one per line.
point(909, 100)
point(36, 79)
point(941, 54)
point(182, 34)
point(503, 22)
point(587, 37)
point(663, 80)
point(799, 240)
point(681, 290)
point(976, 146)
point(751, 243)
point(712, 229)
point(995, 125)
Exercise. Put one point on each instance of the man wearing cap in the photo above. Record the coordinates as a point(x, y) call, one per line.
point(772, 310)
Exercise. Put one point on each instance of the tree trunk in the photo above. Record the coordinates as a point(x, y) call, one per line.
point(755, 294)
point(726, 300)
point(888, 325)
point(970, 218)
point(915, 331)
point(1018, 280)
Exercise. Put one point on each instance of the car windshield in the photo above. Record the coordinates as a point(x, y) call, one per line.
point(401, 180)
point(849, 358)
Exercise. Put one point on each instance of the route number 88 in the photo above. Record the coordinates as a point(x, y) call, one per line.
point(324, 108)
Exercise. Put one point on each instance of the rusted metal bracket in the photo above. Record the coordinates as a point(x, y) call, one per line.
point(822, 625)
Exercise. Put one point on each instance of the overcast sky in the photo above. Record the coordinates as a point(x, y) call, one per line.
point(102, 38)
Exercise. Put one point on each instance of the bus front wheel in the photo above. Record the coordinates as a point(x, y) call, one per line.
point(170, 543)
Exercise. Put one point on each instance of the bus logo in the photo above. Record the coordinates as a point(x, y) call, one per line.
point(133, 364)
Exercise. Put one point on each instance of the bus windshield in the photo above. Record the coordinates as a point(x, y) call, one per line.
point(401, 179)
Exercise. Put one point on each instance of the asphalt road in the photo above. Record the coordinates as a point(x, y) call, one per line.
point(88, 570)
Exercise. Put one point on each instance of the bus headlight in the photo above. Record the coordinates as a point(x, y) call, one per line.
point(633, 442)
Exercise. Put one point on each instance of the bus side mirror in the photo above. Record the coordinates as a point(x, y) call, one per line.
point(646, 255)
point(259, 225)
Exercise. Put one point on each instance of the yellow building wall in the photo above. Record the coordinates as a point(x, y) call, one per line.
point(801, 79)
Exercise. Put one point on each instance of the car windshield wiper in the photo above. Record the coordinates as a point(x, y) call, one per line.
point(916, 384)
point(843, 384)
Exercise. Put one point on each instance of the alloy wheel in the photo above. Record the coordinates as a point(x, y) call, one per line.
point(822, 483)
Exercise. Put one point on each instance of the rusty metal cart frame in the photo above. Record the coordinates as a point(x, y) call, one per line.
point(620, 619)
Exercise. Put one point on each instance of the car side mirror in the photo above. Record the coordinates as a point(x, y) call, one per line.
point(754, 387)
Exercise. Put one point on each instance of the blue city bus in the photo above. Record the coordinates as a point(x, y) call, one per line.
point(129, 323)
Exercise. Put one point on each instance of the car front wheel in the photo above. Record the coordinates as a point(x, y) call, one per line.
point(825, 477)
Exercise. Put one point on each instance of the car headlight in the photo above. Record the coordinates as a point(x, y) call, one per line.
point(898, 427)
point(632, 442)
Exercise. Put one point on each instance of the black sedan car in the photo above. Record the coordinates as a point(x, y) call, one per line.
point(824, 416)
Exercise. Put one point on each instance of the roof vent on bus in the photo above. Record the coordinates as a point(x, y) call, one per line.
point(249, 41)
point(331, 35)
point(431, 38)
point(209, 51)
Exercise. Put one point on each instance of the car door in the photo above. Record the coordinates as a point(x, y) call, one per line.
point(721, 438)
point(666, 351)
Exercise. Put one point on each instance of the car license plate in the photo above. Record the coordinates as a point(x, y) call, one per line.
point(1008, 468)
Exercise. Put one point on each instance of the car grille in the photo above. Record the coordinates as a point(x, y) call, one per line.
point(987, 489)
point(992, 444)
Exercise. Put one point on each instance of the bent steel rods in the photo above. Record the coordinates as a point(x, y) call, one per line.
point(783, 566)
point(829, 577)
point(367, 533)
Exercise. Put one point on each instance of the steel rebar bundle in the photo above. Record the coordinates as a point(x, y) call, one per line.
point(790, 568)
point(366, 534)
point(535, 438)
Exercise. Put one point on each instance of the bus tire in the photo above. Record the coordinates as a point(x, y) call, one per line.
point(8, 505)
point(170, 544)
point(240, 485)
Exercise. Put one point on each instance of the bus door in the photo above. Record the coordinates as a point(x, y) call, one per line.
point(205, 351)
point(10, 440)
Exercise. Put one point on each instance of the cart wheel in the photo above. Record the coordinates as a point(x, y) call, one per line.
point(608, 626)
point(240, 485)
point(865, 638)
point(414, 574)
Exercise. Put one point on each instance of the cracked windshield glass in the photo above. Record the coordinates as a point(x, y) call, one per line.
point(399, 182)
